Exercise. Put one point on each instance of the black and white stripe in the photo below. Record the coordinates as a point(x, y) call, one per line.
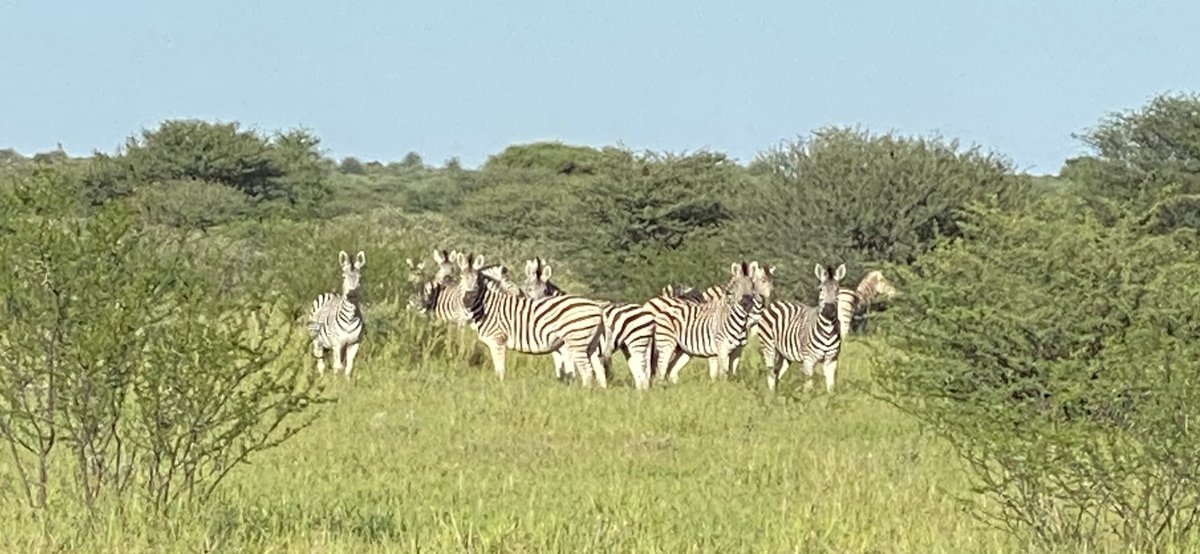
point(795, 332)
point(335, 321)
point(505, 321)
point(624, 326)
point(717, 328)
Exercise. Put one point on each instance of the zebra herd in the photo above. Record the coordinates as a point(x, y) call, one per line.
point(657, 337)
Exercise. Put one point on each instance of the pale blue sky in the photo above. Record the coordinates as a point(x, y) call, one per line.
point(377, 79)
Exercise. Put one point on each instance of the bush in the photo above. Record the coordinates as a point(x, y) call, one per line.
point(351, 166)
point(556, 157)
point(191, 204)
point(128, 357)
point(1058, 355)
point(844, 195)
point(1146, 162)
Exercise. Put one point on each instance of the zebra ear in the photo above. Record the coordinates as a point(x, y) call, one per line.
point(735, 269)
point(439, 256)
point(819, 271)
point(462, 260)
point(343, 258)
point(477, 264)
point(360, 259)
point(769, 271)
point(839, 273)
point(545, 272)
point(753, 270)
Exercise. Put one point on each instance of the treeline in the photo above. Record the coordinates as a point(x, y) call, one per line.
point(1046, 327)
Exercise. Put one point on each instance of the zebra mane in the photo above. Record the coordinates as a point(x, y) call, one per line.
point(495, 278)
point(553, 289)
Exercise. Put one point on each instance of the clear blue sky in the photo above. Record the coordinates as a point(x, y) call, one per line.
point(376, 79)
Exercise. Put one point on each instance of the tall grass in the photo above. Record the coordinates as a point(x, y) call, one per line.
point(422, 455)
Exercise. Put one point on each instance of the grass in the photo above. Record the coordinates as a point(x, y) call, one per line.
point(447, 459)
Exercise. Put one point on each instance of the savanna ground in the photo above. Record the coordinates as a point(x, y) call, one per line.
point(447, 459)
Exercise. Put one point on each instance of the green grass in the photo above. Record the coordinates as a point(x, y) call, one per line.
point(448, 459)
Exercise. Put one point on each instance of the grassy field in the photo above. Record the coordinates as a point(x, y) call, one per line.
point(447, 459)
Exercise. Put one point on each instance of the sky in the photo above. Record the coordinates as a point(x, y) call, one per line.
point(377, 79)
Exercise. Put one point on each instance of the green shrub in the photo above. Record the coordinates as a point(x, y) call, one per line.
point(1058, 354)
point(130, 358)
point(845, 195)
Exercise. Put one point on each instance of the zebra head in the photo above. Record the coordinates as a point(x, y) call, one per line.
point(875, 285)
point(537, 280)
point(351, 272)
point(740, 288)
point(828, 299)
point(471, 283)
point(445, 262)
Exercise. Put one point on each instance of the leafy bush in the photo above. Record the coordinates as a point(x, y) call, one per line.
point(1146, 162)
point(1058, 355)
point(847, 195)
point(128, 359)
point(191, 204)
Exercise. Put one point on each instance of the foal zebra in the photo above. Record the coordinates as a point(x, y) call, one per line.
point(335, 321)
point(505, 321)
point(718, 327)
point(629, 327)
point(792, 332)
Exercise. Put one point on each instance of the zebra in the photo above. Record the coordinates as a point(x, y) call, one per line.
point(873, 285)
point(792, 331)
point(336, 322)
point(764, 285)
point(629, 327)
point(439, 299)
point(717, 328)
point(505, 321)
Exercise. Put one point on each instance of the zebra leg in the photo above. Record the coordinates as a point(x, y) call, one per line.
point(587, 374)
point(665, 346)
point(597, 367)
point(351, 352)
point(560, 364)
point(676, 365)
point(639, 365)
point(319, 354)
point(498, 351)
point(830, 374)
point(338, 362)
point(808, 374)
point(735, 359)
point(776, 367)
point(714, 367)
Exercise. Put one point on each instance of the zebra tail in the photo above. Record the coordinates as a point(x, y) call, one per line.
point(602, 342)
